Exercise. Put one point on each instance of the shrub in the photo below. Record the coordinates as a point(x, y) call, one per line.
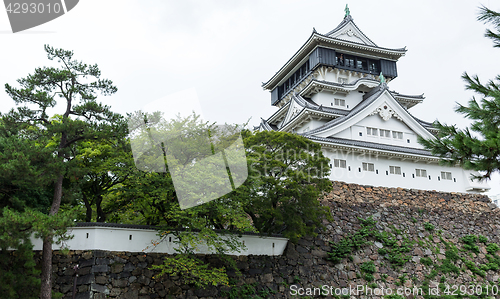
point(429, 226)
point(368, 267)
point(426, 261)
point(470, 243)
point(482, 239)
point(492, 248)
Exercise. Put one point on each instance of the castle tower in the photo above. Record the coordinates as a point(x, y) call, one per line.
point(334, 91)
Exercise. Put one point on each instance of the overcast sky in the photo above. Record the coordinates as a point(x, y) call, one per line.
point(224, 50)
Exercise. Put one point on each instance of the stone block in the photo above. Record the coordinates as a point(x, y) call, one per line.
point(99, 288)
point(100, 268)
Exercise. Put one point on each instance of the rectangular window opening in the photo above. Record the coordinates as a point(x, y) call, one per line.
point(422, 173)
point(339, 163)
point(395, 170)
point(445, 175)
point(368, 167)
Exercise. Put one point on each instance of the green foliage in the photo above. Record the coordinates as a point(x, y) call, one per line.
point(192, 271)
point(396, 251)
point(18, 276)
point(482, 239)
point(492, 248)
point(474, 269)
point(470, 243)
point(426, 261)
point(287, 175)
point(352, 242)
point(448, 267)
point(475, 147)
point(394, 296)
point(452, 252)
point(245, 291)
point(429, 226)
point(368, 268)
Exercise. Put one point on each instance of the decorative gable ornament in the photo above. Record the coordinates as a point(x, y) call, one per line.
point(386, 112)
point(350, 32)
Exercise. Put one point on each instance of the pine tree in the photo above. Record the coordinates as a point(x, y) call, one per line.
point(476, 147)
point(76, 85)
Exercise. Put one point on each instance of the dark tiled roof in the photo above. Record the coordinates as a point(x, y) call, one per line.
point(306, 103)
point(326, 36)
point(373, 145)
point(395, 93)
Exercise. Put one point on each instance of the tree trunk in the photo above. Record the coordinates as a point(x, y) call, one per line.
point(101, 216)
point(88, 206)
point(46, 286)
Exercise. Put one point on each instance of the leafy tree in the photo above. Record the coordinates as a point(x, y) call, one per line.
point(76, 84)
point(105, 164)
point(288, 174)
point(476, 147)
point(19, 277)
point(24, 182)
point(148, 196)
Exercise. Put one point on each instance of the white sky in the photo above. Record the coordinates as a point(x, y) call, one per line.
point(225, 49)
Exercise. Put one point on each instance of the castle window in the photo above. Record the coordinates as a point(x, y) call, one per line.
point(446, 175)
point(421, 173)
point(395, 170)
point(359, 64)
point(397, 135)
point(339, 163)
point(340, 102)
point(368, 167)
point(371, 131)
point(385, 133)
point(373, 67)
point(349, 61)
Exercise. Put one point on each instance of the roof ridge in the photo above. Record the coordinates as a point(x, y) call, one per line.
point(349, 19)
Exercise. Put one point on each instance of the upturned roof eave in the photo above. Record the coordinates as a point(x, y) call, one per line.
point(315, 40)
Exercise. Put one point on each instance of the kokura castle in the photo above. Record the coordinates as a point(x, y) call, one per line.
point(334, 91)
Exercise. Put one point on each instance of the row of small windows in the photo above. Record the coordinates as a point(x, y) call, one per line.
point(356, 62)
point(384, 133)
point(445, 175)
point(296, 77)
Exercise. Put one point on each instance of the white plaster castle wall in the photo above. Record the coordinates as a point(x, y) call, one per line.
point(393, 124)
point(310, 125)
point(139, 240)
point(327, 99)
point(460, 182)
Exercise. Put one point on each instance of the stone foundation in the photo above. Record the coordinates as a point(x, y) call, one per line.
point(126, 275)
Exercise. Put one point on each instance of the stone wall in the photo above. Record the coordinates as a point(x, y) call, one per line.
point(401, 213)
